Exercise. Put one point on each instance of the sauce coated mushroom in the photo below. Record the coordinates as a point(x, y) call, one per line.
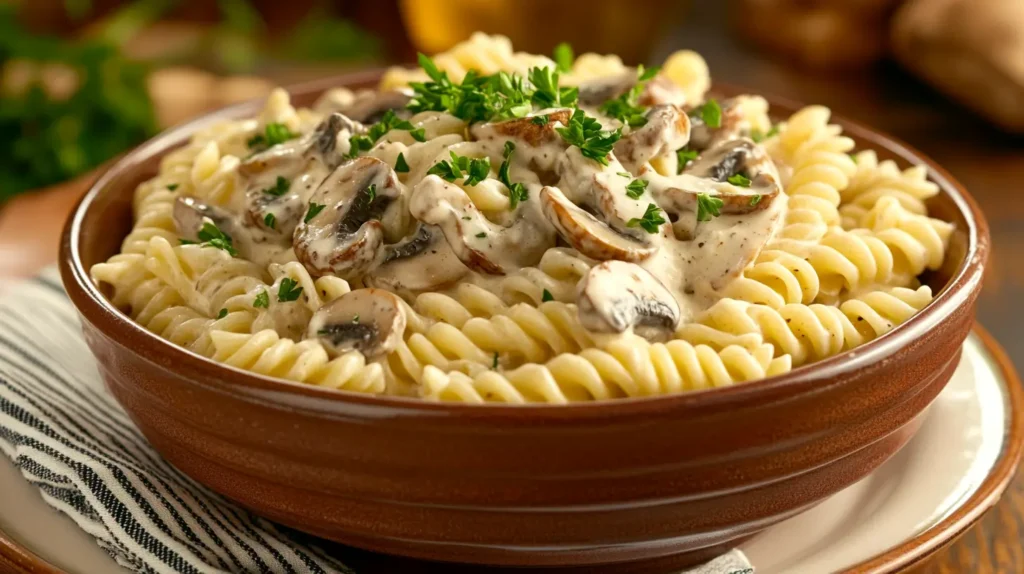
point(615, 296)
point(370, 321)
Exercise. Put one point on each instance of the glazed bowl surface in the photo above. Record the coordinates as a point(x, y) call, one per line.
point(652, 482)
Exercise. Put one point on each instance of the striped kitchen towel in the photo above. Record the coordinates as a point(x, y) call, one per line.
point(70, 439)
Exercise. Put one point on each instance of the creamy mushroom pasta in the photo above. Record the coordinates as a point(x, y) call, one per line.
point(501, 227)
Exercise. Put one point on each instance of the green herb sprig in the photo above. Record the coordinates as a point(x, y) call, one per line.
point(651, 220)
point(516, 191)
point(474, 169)
point(288, 290)
point(585, 133)
point(708, 206)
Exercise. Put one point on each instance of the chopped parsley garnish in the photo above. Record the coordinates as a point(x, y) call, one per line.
point(739, 180)
point(481, 235)
point(624, 174)
point(546, 296)
point(475, 169)
point(288, 290)
point(708, 206)
point(273, 134)
point(211, 236)
point(754, 200)
point(541, 120)
point(223, 313)
point(853, 157)
point(279, 188)
point(172, 186)
point(636, 188)
point(683, 157)
point(269, 220)
point(371, 193)
point(419, 134)
point(355, 318)
point(585, 133)
point(184, 241)
point(314, 209)
point(564, 57)
point(516, 191)
point(710, 113)
point(401, 166)
point(357, 144)
point(651, 220)
point(759, 137)
point(477, 98)
point(546, 93)
point(626, 108)
point(494, 363)
point(261, 300)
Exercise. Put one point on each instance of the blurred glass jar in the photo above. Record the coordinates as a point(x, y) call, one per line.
point(629, 28)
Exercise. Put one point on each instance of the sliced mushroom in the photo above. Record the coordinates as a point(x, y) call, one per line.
point(703, 136)
point(346, 237)
point(422, 262)
point(370, 321)
point(667, 129)
point(370, 106)
point(738, 156)
point(480, 244)
point(302, 164)
point(189, 214)
point(587, 234)
point(657, 91)
point(615, 296)
point(525, 129)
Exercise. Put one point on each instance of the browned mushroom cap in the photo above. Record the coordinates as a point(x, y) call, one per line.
point(189, 214)
point(615, 296)
point(667, 129)
point(291, 156)
point(761, 193)
point(345, 237)
point(370, 106)
point(657, 91)
point(703, 136)
point(370, 321)
point(587, 234)
point(419, 263)
point(480, 244)
point(525, 129)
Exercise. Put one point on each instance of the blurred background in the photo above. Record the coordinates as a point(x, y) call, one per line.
point(82, 81)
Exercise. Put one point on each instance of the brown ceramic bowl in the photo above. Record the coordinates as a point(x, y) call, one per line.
point(652, 482)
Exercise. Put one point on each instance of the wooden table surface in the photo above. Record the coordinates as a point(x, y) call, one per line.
point(990, 164)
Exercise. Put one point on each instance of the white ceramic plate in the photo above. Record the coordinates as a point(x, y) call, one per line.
point(941, 482)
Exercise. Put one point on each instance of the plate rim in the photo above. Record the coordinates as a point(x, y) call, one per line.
point(910, 553)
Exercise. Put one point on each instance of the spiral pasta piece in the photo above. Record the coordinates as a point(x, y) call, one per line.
point(628, 367)
point(214, 176)
point(917, 242)
point(688, 70)
point(306, 361)
point(776, 278)
point(875, 180)
point(806, 332)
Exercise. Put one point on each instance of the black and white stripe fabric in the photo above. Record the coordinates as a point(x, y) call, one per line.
point(69, 437)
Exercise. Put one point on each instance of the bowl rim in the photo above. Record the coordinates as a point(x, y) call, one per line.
point(95, 307)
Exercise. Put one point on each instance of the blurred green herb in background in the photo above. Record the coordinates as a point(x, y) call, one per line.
point(105, 107)
point(46, 139)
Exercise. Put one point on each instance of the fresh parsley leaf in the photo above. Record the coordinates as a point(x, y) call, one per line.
point(683, 157)
point(546, 93)
point(754, 200)
point(172, 187)
point(279, 188)
point(357, 144)
point(401, 166)
point(211, 236)
point(651, 220)
point(481, 235)
point(223, 313)
point(494, 363)
point(710, 113)
point(646, 75)
point(541, 120)
point(708, 206)
point(759, 136)
point(585, 133)
point(516, 191)
point(269, 220)
point(546, 296)
point(288, 290)
point(355, 318)
point(564, 57)
point(273, 134)
point(314, 209)
point(371, 193)
point(739, 180)
point(636, 188)
point(389, 121)
point(419, 134)
point(184, 241)
point(853, 157)
point(624, 174)
point(475, 169)
point(262, 300)
point(626, 108)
